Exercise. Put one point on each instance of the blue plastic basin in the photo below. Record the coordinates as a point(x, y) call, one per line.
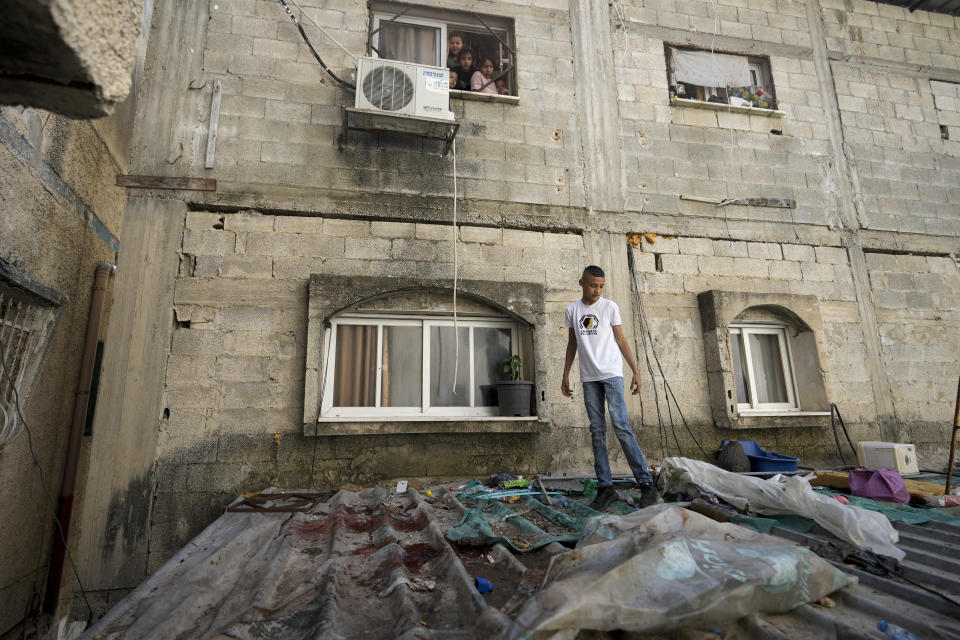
point(762, 460)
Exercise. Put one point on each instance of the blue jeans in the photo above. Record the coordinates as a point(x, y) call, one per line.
point(593, 395)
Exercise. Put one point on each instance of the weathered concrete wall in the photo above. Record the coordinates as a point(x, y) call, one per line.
point(60, 217)
point(70, 56)
point(541, 197)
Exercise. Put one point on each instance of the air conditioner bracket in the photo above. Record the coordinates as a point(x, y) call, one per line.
point(381, 122)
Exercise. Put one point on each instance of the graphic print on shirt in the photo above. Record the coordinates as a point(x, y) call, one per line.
point(588, 324)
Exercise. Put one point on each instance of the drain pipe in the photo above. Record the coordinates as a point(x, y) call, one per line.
point(61, 534)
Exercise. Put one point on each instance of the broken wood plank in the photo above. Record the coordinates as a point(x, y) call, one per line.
point(214, 123)
point(841, 480)
point(777, 203)
point(163, 182)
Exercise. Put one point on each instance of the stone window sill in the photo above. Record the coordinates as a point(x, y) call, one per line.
point(485, 97)
point(729, 108)
point(777, 420)
point(354, 426)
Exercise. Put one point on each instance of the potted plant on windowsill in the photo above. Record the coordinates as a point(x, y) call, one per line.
point(515, 394)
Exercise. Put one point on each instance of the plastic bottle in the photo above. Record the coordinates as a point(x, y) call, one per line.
point(590, 488)
point(894, 632)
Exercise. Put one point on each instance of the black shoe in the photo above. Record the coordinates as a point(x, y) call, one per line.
point(649, 495)
point(605, 496)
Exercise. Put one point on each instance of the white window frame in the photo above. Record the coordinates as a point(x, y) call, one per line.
point(327, 410)
point(786, 358)
point(441, 60)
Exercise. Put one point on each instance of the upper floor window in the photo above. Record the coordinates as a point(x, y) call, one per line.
point(478, 50)
point(403, 365)
point(724, 78)
point(762, 368)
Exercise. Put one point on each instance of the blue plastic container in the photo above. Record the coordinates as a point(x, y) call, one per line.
point(761, 460)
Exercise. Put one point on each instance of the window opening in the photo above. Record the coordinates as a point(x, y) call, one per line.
point(23, 325)
point(403, 365)
point(724, 78)
point(763, 372)
point(426, 35)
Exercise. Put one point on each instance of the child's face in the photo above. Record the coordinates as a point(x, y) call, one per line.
point(456, 43)
point(502, 87)
point(453, 78)
point(487, 68)
point(466, 60)
point(592, 287)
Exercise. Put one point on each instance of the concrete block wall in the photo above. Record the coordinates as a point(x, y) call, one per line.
point(917, 301)
point(280, 113)
point(892, 109)
point(672, 150)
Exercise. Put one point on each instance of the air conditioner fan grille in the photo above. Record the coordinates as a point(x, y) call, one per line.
point(388, 88)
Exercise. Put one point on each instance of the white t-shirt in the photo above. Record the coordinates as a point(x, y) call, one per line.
point(593, 325)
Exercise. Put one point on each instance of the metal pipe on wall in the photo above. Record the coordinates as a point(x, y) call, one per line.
point(81, 400)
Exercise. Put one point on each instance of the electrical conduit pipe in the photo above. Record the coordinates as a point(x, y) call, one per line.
point(81, 400)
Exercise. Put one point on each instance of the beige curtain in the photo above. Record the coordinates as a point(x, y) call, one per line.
point(355, 378)
point(409, 43)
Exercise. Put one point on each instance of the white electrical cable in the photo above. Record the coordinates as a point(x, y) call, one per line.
point(456, 332)
point(322, 30)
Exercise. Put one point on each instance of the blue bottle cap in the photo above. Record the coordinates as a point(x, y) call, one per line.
point(882, 625)
point(483, 585)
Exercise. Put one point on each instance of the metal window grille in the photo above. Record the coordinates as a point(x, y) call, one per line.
point(23, 328)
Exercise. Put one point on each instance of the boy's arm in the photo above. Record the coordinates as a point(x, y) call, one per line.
point(621, 341)
point(568, 362)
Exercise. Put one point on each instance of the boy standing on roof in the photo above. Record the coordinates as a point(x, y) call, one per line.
point(594, 329)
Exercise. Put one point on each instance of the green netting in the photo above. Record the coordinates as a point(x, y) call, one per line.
point(524, 524)
point(897, 512)
point(764, 525)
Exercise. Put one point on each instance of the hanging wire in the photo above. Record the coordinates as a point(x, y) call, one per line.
point(456, 331)
point(303, 34)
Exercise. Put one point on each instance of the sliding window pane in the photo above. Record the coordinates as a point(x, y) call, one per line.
point(490, 347)
point(442, 359)
point(355, 373)
point(402, 384)
point(768, 368)
point(409, 42)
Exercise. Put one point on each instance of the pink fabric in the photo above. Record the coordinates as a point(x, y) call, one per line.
point(879, 484)
point(477, 80)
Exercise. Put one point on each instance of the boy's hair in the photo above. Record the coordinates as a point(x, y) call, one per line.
point(464, 52)
point(594, 271)
point(454, 35)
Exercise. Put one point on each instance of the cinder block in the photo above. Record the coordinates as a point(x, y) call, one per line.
point(730, 248)
point(767, 250)
point(817, 272)
point(248, 221)
point(271, 244)
point(483, 235)
point(367, 248)
point(393, 230)
point(674, 263)
point(695, 246)
point(562, 241)
point(831, 255)
point(299, 224)
point(215, 243)
point(716, 265)
point(234, 266)
point(798, 252)
point(783, 270)
point(316, 245)
point(751, 267)
point(517, 238)
point(433, 231)
point(350, 228)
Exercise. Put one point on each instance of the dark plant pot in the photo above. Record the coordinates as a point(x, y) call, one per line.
point(515, 397)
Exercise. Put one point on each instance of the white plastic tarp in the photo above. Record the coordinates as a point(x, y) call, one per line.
point(706, 69)
point(863, 528)
point(664, 568)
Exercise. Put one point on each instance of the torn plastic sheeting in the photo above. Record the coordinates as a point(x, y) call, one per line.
point(663, 568)
point(862, 528)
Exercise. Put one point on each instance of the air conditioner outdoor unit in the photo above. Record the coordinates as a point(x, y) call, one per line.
point(888, 455)
point(403, 88)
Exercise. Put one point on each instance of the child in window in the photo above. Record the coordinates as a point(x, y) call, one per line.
point(464, 69)
point(480, 80)
point(501, 86)
point(454, 47)
point(453, 78)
